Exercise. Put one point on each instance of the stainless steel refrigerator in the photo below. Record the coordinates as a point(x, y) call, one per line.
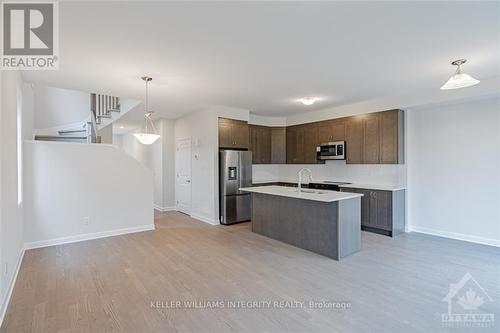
point(235, 171)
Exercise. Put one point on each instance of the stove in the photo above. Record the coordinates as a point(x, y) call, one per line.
point(327, 185)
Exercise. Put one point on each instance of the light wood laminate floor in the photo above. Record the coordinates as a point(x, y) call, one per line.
point(392, 285)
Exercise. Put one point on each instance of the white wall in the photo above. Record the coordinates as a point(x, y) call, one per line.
point(67, 182)
point(13, 95)
point(158, 157)
point(168, 163)
point(56, 107)
point(266, 121)
point(202, 128)
point(453, 156)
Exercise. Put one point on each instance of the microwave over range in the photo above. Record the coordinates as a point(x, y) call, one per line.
point(331, 151)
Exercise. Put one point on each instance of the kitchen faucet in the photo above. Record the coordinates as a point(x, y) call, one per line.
point(299, 174)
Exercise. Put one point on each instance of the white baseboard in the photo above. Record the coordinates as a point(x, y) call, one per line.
point(6, 300)
point(84, 237)
point(164, 209)
point(204, 219)
point(458, 236)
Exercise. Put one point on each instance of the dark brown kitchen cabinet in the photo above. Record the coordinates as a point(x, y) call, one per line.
point(354, 140)
point(331, 130)
point(278, 145)
point(382, 212)
point(260, 144)
point(310, 144)
point(294, 144)
point(301, 142)
point(371, 139)
point(375, 138)
point(233, 134)
point(391, 137)
point(268, 144)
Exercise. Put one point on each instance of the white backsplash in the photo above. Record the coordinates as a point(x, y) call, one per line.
point(375, 174)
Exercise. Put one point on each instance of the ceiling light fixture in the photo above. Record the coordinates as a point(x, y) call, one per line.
point(308, 100)
point(459, 79)
point(148, 134)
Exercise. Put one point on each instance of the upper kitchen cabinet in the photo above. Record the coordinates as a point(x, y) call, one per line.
point(371, 139)
point(301, 142)
point(375, 138)
point(294, 144)
point(268, 144)
point(260, 144)
point(310, 144)
point(278, 145)
point(233, 134)
point(331, 130)
point(392, 137)
point(354, 140)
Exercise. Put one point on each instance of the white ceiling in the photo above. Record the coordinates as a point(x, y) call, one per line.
point(262, 56)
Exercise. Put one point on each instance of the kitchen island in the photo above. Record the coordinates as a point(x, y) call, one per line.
point(324, 222)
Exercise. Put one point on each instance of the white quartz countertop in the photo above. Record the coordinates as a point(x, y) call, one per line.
point(306, 194)
point(374, 187)
point(383, 187)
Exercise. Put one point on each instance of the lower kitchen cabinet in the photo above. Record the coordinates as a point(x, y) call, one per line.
point(382, 212)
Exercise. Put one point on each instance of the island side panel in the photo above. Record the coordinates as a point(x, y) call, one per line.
point(308, 224)
point(349, 227)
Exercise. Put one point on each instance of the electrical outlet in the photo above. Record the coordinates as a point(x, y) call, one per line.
point(86, 220)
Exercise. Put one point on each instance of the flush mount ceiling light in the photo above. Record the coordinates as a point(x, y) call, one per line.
point(459, 79)
point(148, 134)
point(308, 100)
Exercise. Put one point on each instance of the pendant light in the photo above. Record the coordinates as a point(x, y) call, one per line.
point(459, 79)
point(148, 134)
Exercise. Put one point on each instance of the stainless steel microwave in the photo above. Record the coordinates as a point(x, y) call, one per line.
point(331, 151)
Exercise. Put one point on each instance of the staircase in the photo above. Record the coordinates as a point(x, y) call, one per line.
point(102, 108)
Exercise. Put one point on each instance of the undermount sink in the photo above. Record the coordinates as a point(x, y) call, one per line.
point(307, 191)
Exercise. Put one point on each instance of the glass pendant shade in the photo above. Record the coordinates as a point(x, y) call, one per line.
point(148, 135)
point(146, 139)
point(459, 80)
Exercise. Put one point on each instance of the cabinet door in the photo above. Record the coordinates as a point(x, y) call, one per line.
point(381, 210)
point(254, 144)
point(338, 130)
point(310, 143)
point(265, 145)
point(371, 146)
point(389, 125)
point(324, 132)
point(291, 145)
point(225, 137)
point(300, 157)
point(278, 145)
point(354, 140)
point(239, 131)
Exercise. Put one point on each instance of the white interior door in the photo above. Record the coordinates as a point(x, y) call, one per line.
point(183, 175)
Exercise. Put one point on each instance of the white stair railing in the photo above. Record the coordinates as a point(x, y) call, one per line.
point(101, 106)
